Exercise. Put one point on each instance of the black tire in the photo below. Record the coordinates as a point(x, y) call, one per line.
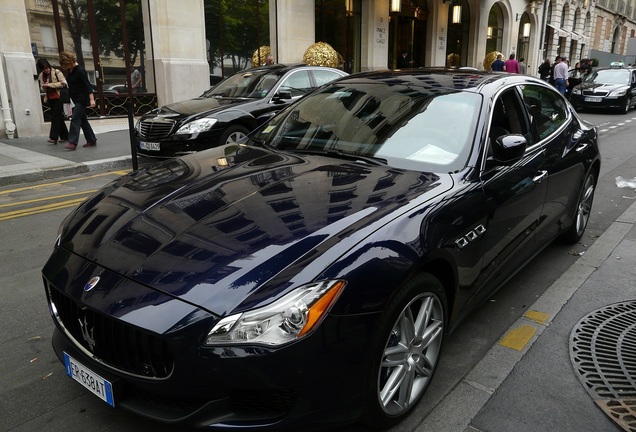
point(583, 208)
point(233, 134)
point(625, 108)
point(403, 359)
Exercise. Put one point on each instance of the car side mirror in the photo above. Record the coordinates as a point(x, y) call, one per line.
point(282, 95)
point(508, 149)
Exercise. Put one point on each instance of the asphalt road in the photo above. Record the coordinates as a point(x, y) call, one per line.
point(36, 395)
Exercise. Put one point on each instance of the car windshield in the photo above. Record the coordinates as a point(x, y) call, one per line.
point(610, 76)
point(408, 127)
point(244, 85)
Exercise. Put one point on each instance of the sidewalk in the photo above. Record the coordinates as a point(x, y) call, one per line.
point(531, 380)
point(32, 159)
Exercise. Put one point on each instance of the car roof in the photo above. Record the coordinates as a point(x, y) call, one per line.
point(615, 68)
point(440, 78)
point(283, 68)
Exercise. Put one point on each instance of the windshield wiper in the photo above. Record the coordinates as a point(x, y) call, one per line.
point(340, 155)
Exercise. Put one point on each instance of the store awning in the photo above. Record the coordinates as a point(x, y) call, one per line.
point(560, 31)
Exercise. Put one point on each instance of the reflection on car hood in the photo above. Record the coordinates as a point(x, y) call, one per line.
point(199, 106)
point(592, 86)
point(215, 228)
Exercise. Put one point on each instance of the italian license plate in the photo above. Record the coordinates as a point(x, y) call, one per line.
point(152, 146)
point(593, 99)
point(97, 385)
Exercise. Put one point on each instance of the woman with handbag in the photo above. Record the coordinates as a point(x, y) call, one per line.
point(52, 82)
point(81, 93)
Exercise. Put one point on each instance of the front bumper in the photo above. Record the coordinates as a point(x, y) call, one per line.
point(318, 381)
point(605, 102)
point(177, 145)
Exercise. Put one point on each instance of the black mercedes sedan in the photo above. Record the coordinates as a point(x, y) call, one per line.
point(606, 88)
point(309, 276)
point(228, 111)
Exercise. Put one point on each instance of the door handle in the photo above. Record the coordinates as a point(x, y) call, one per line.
point(541, 175)
point(581, 147)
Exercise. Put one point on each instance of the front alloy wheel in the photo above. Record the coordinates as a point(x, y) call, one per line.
point(411, 341)
point(410, 354)
point(233, 135)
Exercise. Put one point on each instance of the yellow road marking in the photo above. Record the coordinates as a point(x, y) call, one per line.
point(518, 338)
point(40, 209)
point(86, 193)
point(118, 173)
point(536, 316)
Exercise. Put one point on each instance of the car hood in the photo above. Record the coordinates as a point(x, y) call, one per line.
point(228, 229)
point(592, 86)
point(203, 106)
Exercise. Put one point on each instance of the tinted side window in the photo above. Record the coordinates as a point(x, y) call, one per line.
point(297, 83)
point(324, 76)
point(508, 117)
point(547, 109)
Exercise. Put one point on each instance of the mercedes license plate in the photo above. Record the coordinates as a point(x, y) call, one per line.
point(593, 99)
point(152, 146)
point(97, 385)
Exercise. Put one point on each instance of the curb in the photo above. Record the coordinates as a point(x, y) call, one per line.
point(77, 168)
point(475, 389)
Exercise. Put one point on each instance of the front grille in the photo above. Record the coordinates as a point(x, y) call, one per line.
point(594, 93)
point(113, 342)
point(155, 129)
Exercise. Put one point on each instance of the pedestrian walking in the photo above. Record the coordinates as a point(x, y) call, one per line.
point(52, 80)
point(544, 70)
point(511, 65)
point(81, 93)
point(135, 80)
point(522, 66)
point(561, 74)
point(498, 65)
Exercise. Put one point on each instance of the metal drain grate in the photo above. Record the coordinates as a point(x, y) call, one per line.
point(603, 353)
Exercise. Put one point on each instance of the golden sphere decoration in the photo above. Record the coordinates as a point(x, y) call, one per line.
point(322, 54)
point(452, 60)
point(259, 60)
point(490, 58)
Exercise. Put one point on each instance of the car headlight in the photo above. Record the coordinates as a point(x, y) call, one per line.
point(618, 92)
point(197, 126)
point(287, 319)
point(576, 91)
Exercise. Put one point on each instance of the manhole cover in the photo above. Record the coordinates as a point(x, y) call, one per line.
point(603, 353)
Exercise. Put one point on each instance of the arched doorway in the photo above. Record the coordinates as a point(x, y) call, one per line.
point(495, 30)
point(407, 33)
point(458, 33)
point(524, 36)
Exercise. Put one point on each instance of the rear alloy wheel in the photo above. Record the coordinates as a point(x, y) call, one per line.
point(583, 209)
point(407, 350)
point(233, 135)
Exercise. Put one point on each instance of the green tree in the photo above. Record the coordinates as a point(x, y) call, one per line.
point(75, 14)
point(245, 27)
point(109, 28)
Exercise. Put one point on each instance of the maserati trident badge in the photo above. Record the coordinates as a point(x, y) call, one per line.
point(87, 335)
point(91, 283)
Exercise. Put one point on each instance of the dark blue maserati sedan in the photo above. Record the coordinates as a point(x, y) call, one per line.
point(309, 275)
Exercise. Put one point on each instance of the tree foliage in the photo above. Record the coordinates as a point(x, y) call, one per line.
point(75, 14)
point(107, 26)
point(245, 27)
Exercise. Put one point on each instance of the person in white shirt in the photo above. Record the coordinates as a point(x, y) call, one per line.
point(561, 75)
